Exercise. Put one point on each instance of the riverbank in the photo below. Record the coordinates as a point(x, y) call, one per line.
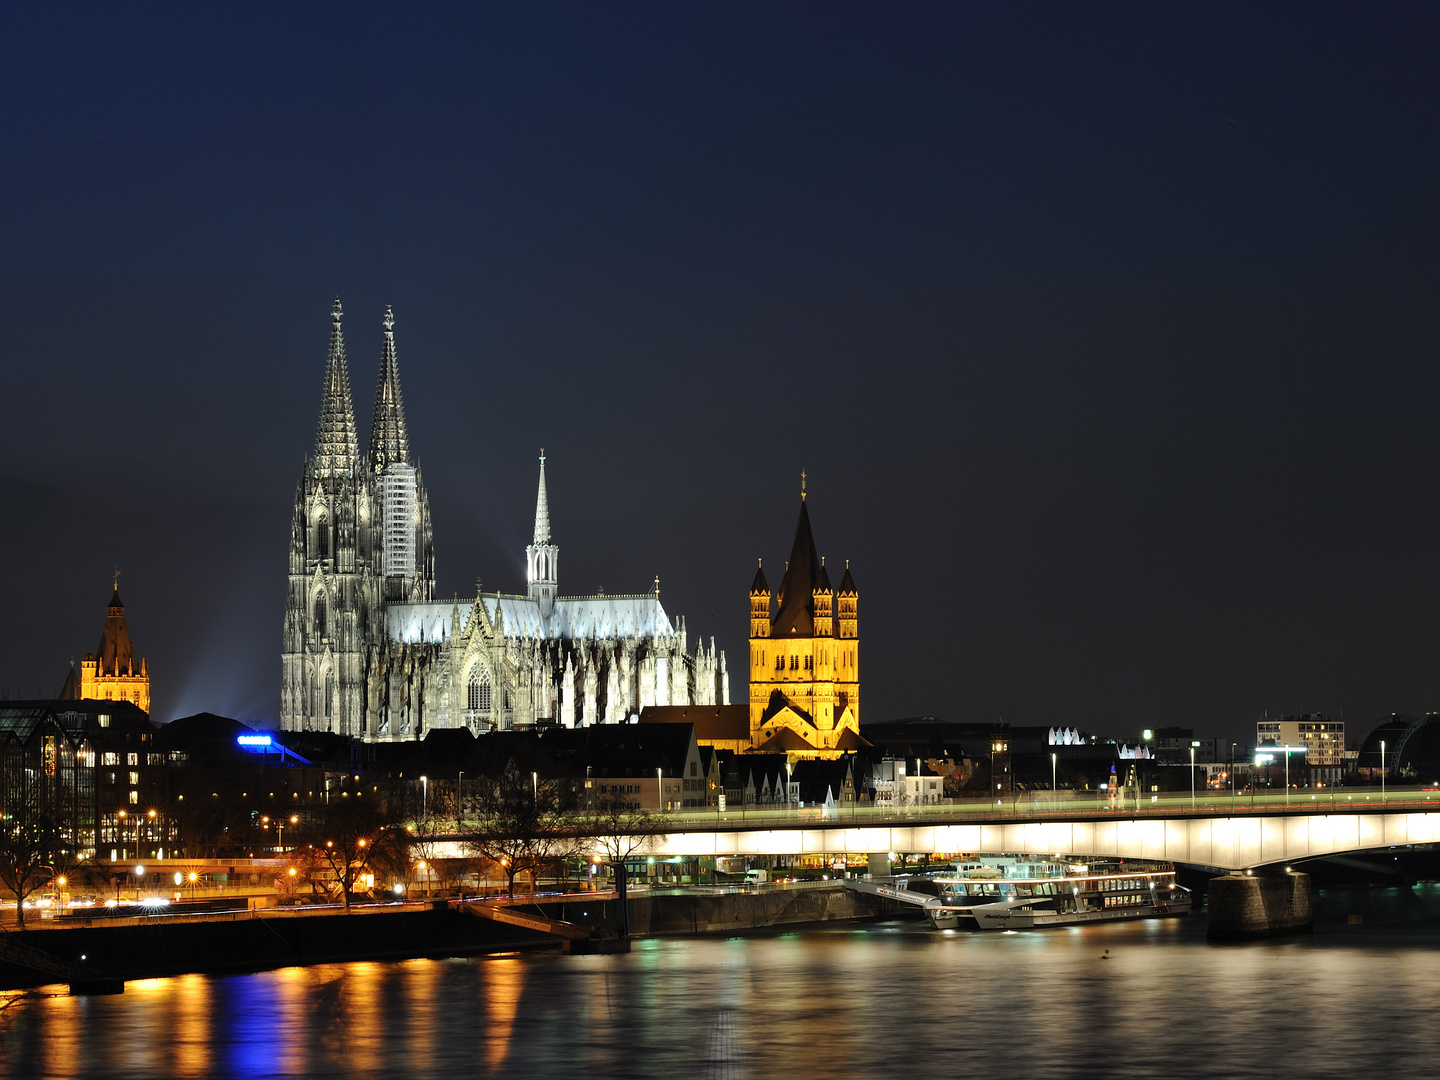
point(155, 946)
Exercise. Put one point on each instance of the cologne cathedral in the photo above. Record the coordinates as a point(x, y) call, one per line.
point(371, 654)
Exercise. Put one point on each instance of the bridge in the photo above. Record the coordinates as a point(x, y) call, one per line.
point(1215, 833)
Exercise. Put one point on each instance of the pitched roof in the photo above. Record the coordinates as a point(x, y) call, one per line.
point(723, 722)
point(783, 740)
point(847, 583)
point(850, 740)
point(116, 655)
point(796, 599)
point(759, 587)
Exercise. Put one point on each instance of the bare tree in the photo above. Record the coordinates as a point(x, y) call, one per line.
point(348, 839)
point(616, 827)
point(29, 842)
point(521, 827)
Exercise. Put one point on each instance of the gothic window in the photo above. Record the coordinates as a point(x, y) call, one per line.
point(320, 616)
point(322, 537)
point(779, 663)
point(794, 663)
point(809, 663)
point(478, 697)
point(329, 694)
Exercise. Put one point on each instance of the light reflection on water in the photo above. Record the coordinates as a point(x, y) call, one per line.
point(844, 1001)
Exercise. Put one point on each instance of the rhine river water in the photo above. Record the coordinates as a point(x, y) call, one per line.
point(1141, 999)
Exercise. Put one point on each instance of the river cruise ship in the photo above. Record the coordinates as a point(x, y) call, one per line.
point(1068, 899)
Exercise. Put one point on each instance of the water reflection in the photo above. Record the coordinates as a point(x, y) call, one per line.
point(1133, 1000)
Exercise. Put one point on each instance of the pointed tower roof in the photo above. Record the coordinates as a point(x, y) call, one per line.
point(796, 599)
point(389, 442)
point(542, 507)
point(760, 587)
point(115, 656)
point(336, 446)
point(824, 583)
point(847, 583)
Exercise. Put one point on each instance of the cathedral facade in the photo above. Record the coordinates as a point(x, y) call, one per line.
point(368, 651)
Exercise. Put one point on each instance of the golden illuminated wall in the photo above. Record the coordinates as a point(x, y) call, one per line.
point(95, 686)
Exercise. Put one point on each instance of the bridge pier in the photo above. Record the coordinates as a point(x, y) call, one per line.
point(1240, 906)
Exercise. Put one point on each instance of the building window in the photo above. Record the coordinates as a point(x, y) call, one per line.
point(329, 694)
point(809, 663)
point(134, 778)
point(478, 695)
point(779, 663)
point(134, 798)
point(132, 759)
point(794, 663)
point(110, 758)
point(320, 616)
point(322, 537)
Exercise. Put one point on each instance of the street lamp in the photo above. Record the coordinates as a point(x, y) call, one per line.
point(1232, 777)
point(425, 799)
point(659, 790)
point(1382, 770)
point(459, 800)
point(1192, 774)
point(1054, 788)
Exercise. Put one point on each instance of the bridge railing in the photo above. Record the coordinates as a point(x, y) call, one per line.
point(1046, 805)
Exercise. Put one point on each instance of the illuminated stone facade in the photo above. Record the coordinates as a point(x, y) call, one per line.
point(112, 672)
point(805, 656)
point(368, 652)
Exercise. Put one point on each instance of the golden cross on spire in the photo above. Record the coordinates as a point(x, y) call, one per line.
point(802, 485)
point(117, 579)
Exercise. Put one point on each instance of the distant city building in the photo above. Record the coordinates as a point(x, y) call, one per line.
point(1322, 738)
point(368, 652)
point(111, 672)
point(805, 656)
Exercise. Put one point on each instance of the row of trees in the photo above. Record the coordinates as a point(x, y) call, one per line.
point(521, 827)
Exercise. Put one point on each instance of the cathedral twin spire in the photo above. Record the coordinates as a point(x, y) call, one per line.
point(336, 444)
point(337, 450)
point(389, 442)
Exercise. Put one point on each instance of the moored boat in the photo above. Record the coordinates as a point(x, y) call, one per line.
point(1067, 900)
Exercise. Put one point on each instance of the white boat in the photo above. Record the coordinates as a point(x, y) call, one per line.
point(1069, 900)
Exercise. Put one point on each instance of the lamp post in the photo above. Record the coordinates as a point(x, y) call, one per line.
point(1192, 774)
point(659, 789)
point(1232, 777)
point(460, 801)
point(425, 798)
point(1382, 770)
point(1054, 787)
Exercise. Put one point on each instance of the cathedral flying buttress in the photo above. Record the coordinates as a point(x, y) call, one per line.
point(369, 653)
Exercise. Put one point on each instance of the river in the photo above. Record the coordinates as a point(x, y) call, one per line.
point(882, 999)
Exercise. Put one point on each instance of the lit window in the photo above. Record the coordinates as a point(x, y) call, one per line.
point(111, 758)
point(134, 778)
point(134, 798)
point(478, 692)
point(132, 759)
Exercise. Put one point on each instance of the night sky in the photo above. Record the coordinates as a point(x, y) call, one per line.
point(1107, 335)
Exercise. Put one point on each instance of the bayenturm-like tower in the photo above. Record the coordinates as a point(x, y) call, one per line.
point(805, 656)
point(360, 535)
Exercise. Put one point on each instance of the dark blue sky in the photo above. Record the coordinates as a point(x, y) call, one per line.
point(1107, 336)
